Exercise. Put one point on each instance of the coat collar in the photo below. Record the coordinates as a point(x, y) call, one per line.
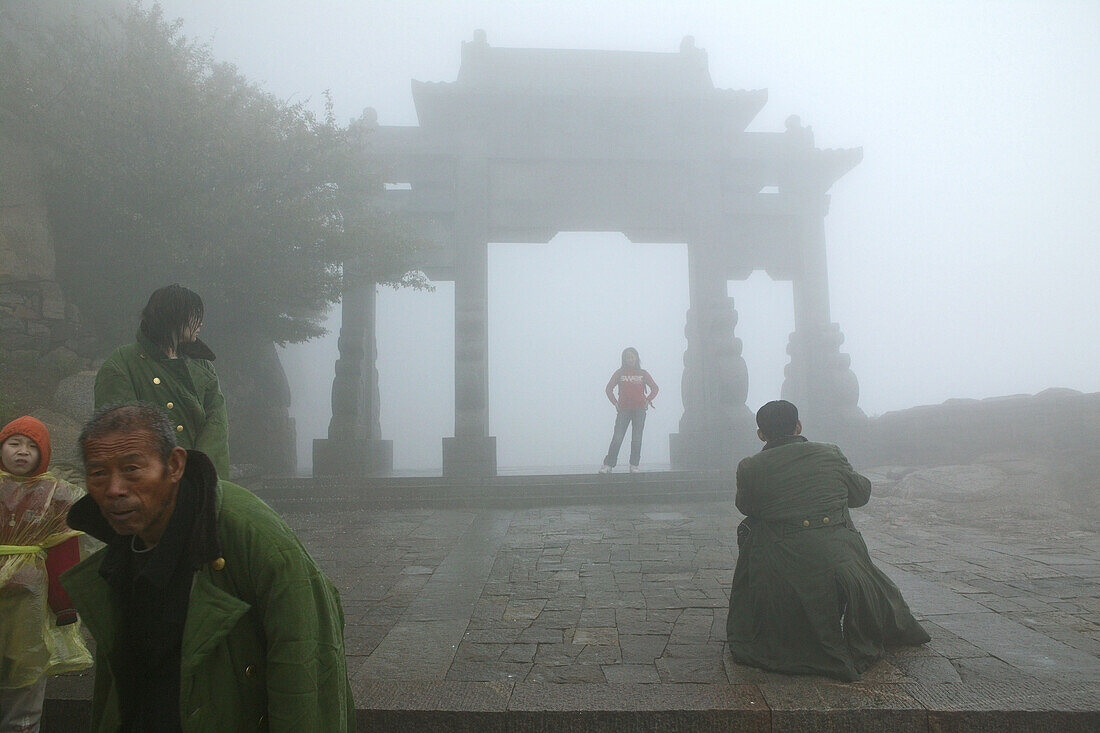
point(201, 481)
point(785, 440)
point(195, 350)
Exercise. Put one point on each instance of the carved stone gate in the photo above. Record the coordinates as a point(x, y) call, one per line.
point(531, 142)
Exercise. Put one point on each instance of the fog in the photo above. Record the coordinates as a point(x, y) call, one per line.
point(962, 251)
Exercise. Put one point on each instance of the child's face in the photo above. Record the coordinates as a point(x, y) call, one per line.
point(20, 455)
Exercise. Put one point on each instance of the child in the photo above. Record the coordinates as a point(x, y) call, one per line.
point(39, 633)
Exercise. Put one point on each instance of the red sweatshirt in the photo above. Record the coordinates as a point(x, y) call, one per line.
point(632, 384)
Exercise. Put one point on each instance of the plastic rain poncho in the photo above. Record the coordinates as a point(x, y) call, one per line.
point(32, 520)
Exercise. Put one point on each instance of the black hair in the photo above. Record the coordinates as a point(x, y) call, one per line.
point(169, 311)
point(129, 417)
point(637, 359)
point(777, 419)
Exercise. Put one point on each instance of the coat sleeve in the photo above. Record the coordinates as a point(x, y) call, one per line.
point(746, 495)
point(213, 437)
point(306, 674)
point(859, 486)
point(112, 385)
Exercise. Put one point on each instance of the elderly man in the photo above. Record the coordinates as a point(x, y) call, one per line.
point(208, 614)
point(806, 597)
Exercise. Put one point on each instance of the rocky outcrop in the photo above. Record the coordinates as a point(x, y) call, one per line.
point(1002, 460)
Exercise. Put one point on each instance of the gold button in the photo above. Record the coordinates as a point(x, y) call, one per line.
point(170, 405)
point(156, 380)
point(218, 564)
point(179, 428)
point(249, 671)
point(805, 522)
point(824, 520)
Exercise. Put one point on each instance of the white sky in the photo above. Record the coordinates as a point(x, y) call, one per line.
point(963, 252)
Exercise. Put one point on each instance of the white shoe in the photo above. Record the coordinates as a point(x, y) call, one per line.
point(605, 468)
point(634, 469)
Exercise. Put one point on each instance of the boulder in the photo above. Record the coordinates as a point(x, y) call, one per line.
point(74, 396)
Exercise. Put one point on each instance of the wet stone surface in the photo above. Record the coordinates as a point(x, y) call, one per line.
point(637, 595)
point(525, 618)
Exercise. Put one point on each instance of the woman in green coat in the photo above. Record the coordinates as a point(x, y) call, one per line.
point(171, 368)
point(806, 597)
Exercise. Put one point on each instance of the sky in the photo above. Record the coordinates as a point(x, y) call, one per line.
point(963, 251)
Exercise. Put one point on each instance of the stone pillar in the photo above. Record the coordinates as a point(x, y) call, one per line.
point(354, 445)
point(471, 452)
point(716, 429)
point(818, 378)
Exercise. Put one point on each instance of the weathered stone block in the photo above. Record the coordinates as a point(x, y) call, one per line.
point(472, 457)
point(332, 457)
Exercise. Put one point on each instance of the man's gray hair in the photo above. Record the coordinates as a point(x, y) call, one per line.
point(129, 417)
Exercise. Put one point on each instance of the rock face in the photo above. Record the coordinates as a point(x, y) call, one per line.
point(1051, 423)
point(40, 340)
point(1004, 460)
point(26, 251)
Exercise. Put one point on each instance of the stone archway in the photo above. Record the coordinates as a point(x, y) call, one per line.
point(530, 142)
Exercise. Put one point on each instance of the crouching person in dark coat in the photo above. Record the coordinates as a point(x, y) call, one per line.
point(806, 597)
point(208, 614)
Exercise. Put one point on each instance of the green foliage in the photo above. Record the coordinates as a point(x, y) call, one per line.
point(162, 165)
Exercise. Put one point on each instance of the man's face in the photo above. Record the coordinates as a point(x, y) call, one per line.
point(133, 485)
point(19, 455)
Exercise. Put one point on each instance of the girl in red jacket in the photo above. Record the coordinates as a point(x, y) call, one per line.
point(636, 392)
point(38, 630)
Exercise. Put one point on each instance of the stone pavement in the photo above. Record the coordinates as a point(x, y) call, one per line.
point(595, 599)
point(612, 617)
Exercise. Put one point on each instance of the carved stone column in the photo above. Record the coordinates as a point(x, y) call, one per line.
point(354, 445)
point(716, 425)
point(818, 378)
point(471, 452)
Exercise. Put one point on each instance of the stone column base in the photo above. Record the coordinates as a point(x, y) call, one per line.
point(711, 450)
point(352, 457)
point(470, 457)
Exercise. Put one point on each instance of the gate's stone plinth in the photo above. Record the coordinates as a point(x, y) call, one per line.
point(717, 427)
point(351, 457)
point(474, 457)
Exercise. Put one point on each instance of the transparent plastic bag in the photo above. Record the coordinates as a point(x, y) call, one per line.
point(32, 520)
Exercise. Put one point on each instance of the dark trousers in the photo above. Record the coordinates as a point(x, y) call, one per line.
point(625, 417)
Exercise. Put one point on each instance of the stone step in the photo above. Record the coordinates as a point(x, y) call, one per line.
point(546, 707)
point(500, 491)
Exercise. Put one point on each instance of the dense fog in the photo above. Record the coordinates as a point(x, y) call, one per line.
point(962, 251)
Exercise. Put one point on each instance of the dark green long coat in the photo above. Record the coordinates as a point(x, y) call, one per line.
point(806, 597)
point(186, 388)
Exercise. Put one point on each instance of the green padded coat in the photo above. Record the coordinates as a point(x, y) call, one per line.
point(263, 644)
point(186, 388)
point(806, 597)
